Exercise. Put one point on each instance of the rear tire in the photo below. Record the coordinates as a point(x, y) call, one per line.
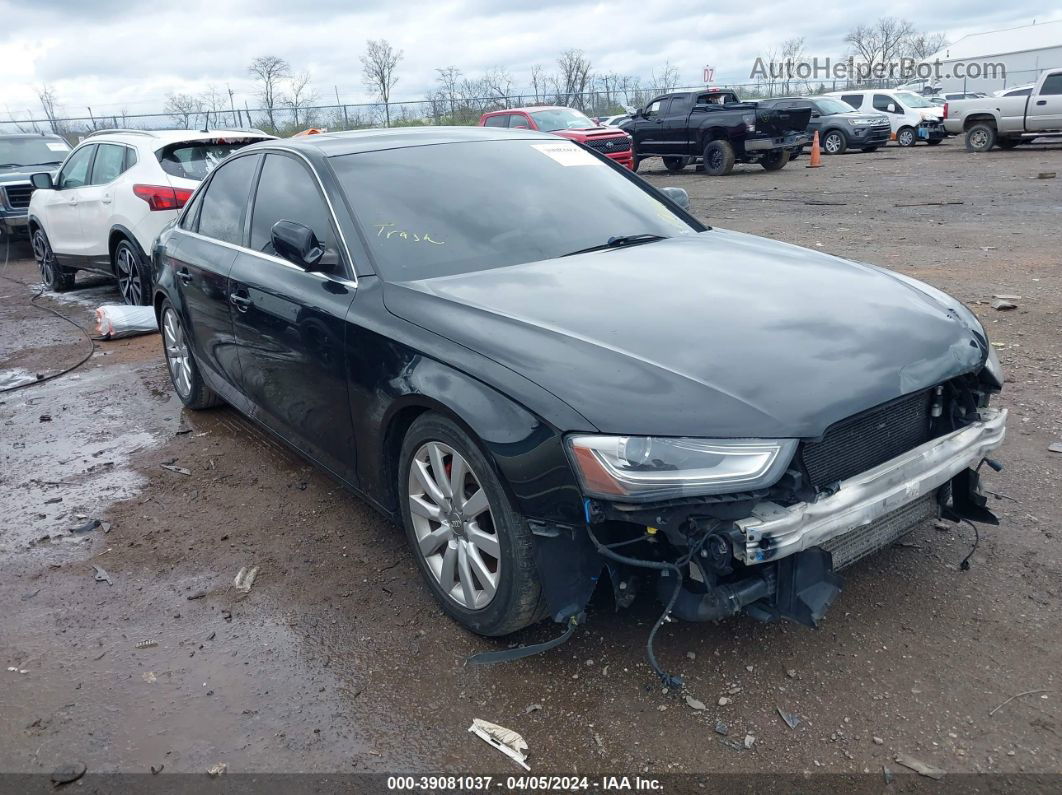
point(906, 136)
point(184, 372)
point(55, 277)
point(1007, 143)
point(834, 143)
point(718, 158)
point(870, 149)
point(495, 542)
point(775, 161)
point(132, 273)
point(675, 164)
point(980, 137)
point(935, 142)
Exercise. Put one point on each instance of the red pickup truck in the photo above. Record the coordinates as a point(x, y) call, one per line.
point(568, 123)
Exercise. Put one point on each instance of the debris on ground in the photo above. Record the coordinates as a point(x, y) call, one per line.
point(532, 708)
point(156, 770)
point(66, 774)
point(505, 740)
point(791, 720)
point(216, 770)
point(878, 741)
point(149, 677)
point(1055, 447)
point(17, 670)
point(1008, 297)
point(177, 469)
point(146, 644)
point(723, 701)
point(694, 703)
point(245, 578)
point(919, 767)
point(1046, 175)
point(91, 524)
point(114, 321)
point(721, 728)
point(886, 774)
point(1002, 305)
point(750, 741)
point(1018, 695)
point(102, 575)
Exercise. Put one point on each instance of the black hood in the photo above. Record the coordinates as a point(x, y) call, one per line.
point(720, 334)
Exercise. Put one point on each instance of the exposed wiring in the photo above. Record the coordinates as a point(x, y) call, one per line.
point(965, 565)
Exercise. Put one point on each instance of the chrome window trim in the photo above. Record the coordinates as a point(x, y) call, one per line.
point(328, 201)
point(269, 258)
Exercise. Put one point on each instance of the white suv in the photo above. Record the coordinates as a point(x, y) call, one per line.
point(113, 195)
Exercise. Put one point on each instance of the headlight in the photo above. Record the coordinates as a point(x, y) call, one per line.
point(645, 468)
point(862, 122)
point(993, 367)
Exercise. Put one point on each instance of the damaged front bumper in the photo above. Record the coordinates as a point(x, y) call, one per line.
point(773, 531)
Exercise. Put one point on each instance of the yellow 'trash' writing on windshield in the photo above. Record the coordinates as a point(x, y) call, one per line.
point(390, 229)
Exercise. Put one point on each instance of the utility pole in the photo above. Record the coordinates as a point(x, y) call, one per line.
point(232, 106)
point(346, 121)
point(93, 118)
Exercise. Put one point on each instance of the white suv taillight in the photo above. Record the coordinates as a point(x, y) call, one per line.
point(163, 197)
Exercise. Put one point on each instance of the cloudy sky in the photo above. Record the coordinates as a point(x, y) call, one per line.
point(129, 55)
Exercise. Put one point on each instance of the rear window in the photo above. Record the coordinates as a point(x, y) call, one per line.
point(196, 159)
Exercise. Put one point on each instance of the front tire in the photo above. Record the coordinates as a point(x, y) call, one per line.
point(718, 158)
point(675, 164)
point(776, 160)
point(55, 277)
point(134, 277)
point(980, 138)
point(906, 136)
point(935, 142)
point(184, 372)
point(869, 149)
point(1007, 143)
point(834, 143)
point(474, 550)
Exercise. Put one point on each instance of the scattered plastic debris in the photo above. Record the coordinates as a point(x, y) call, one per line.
point(66, 774)
point(146, 644)
point(919, 767)
point(216, 770)
point(1003, 306)
point(1055, 447)
point(886, 774)
point(245, 578)
point(721, 728)
point(694, 703)
point(177, 469)
point(149, 677)
point(156, 770)
point(102, 575)
point(114, 321)
point(532, 708)
point(91, 524)
point(791, 720)
point(505, 740)
point(1046, 175)
point(17, 670)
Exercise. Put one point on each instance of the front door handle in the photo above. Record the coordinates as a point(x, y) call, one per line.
point(106, 198)
point(240, 302)
point(1041, 102)
point(184, 276)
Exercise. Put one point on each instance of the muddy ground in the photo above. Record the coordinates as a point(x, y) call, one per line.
point(338, 660)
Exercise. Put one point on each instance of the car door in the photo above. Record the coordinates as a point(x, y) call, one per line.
point(892, 109)
point(289, 322)
point(1045, 106)
point(815, 123)
point(96, 201)
point(650, 127)
point(62, 222)
point(212, 231)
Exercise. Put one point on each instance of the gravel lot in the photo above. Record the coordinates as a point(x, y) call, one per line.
point(338, 660)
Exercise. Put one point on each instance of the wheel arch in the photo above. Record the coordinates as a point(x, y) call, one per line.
point(117, 234)
point(712, 134)
point(979, 118)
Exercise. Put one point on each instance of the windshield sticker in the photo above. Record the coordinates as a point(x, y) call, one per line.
point(58, 147)
point(567, 154)
point(389, 230)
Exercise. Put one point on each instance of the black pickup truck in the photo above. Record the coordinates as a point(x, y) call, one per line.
point(719, 128)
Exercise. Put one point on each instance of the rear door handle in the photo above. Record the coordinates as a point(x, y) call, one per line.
point(240, 302)
point(184, 276)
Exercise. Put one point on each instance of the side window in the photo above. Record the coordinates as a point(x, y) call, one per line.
point(287, 191)
point(519, 120)
point(882, 102)
point(855, 100)
point(130, 158)
point(221, 215)
point(1052, 85)
point(75, 172)
point(190, 219)
point(108, 165)
point(655, 106)
point(501, 120)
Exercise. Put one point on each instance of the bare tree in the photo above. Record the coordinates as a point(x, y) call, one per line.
point(270, 71)
point(792, 54)
point(880, 43)
point(49, 101)
point(667, 79)
point(539, 82)
point(300, 95)
point(497, 86)
point(182, 107)
point(448, 80)
point(574, 77)
point(922, 45)
point(378, 71)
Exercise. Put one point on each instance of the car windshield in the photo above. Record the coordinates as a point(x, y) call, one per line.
point(913, 100)
point(196, 159)
point(451, 208)
point(830, 107)
point(560, 119)
point(35, 151)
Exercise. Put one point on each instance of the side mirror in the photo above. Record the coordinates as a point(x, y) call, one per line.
point(679, 196)
point(42, 181)
point(815, 114)
point(298, 244)
point(891, 107)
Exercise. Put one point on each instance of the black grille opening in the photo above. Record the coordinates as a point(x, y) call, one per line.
point(603, 144)
point(865, 440)
point(18, 196)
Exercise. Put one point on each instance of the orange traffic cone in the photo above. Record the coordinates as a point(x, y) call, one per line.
point(816, 153)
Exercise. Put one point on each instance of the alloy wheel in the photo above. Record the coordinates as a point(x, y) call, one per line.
point(178, 357)
point(43, 254)
point(453, 525)
point(128, 273)
point(906, 138)
point(979, 139)
point(832, 144)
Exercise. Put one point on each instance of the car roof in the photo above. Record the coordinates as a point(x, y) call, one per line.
point(355, 141)
point(49, 136)
point(531, 109)
point(162, 137)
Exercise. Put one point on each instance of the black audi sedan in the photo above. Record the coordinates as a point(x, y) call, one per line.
point(553, 375)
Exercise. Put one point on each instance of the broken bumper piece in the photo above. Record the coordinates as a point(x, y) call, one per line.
point(773, 531)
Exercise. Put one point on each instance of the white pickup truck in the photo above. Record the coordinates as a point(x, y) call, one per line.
point(1008, 121)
